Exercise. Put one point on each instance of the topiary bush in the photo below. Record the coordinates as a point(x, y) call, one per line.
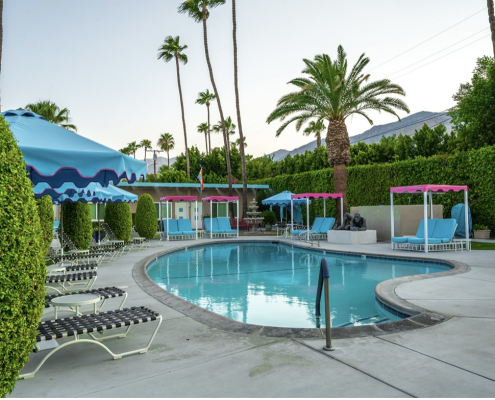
point(45, 212)
point(146, 217)
point(76, 218)
point(269, 217)
point(22, 266)
point(119, 218)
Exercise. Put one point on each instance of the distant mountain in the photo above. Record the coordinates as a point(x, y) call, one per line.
point(406, 126)
point(159, 162)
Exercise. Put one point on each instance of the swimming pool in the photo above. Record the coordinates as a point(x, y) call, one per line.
point(274, 284)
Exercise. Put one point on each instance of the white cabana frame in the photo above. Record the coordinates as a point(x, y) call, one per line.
point(307, 196)
point(187, 199)
point(428, 191)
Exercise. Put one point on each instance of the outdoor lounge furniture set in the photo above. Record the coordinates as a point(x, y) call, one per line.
point(440, 237)
point(178, 229)
point(318, 230)
point(218, 227)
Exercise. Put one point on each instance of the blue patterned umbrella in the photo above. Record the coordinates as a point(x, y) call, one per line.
point(56, 155)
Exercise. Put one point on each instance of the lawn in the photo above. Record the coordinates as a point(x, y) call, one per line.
point(482, 246)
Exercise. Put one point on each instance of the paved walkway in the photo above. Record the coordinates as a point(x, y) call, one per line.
point(192, 359)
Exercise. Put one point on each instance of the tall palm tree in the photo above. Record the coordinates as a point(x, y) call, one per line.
point(316, 128)
point(167, 143)
point(229, 128)
point(172, 49)
point(333, 93)
point(133, 147)
point(146, 144)
point(52, 113)
point(238, 108)
point(199, 11)
point(491, 19)
point(203, 128)
point(206, 98)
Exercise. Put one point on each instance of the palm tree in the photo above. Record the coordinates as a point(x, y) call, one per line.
point(491, 19)
point(206, 98)
point(204, 128)
point(199, 11)
point(52, 113)
point(172, 49)
point(229, 128)
point(133, 147)
point(238, 108)
point(238, 143)
point(126, 150)
point(316, 128)
point(147, 145)
point(329, 92)
point(167, 143)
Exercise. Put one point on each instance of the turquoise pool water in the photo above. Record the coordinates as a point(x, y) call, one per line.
point(275, 284)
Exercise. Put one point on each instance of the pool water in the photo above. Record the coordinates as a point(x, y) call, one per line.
point(275, 284)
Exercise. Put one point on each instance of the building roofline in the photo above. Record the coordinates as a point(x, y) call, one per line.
point(190, 185)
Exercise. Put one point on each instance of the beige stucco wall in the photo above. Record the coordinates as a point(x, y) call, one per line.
point(406, 218)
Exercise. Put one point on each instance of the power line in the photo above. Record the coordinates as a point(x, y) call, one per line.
point(407, 125)
point(417, 62)
point(439, 58)
point(427, 40)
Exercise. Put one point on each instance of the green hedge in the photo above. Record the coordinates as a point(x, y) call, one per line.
point(146, 217)
point(45, 212)
point(119, 218)
point(22, 266)
point(76, 218)
point(369, 185)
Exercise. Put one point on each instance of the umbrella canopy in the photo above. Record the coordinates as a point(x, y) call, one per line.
point(93, 193)
point(56, 155)
point(282, 199)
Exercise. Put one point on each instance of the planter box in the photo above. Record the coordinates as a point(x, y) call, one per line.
point(482, 234)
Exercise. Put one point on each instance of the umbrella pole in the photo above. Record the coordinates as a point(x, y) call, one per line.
point(61, 236)
point(98, 216)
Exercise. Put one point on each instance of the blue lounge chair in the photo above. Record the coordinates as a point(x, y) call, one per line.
point(420, 233)
point(440, 237)
point(225, 228)
point(314, 228)
point(184, 226)
point(215, 231)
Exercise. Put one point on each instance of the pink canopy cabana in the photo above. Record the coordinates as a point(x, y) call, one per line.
point(308, 196)
point(217, 199)
point(428, 191)
point(188, 199)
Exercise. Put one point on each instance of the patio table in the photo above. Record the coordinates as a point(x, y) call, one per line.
point(75, 300)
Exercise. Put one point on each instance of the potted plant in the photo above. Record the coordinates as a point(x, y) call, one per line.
point(481, 231)
point(269, 219)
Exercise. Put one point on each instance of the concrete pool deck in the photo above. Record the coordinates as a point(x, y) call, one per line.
point(189, 358)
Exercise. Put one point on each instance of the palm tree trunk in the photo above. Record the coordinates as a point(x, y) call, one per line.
point(491, 18)
point(339, 156)
point(183, 118)
point(145, 153)
point(209, 136)
point(168, 159)
point(210, 70)
point(318, 140)
point(239, 124)
point(206, 141)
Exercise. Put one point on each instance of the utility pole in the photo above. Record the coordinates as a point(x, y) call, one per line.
point(491, 19)
point(155, 158)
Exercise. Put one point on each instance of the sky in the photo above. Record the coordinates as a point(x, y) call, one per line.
point(98, 58)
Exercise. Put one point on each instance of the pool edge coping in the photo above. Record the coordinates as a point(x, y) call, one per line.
point(385, 291)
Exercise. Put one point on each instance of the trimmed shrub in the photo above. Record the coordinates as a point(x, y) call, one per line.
point(269, 217)
point(119, 218)
point(22, 266)
point(45, 212)
point(146, 217)
point(76, 218)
